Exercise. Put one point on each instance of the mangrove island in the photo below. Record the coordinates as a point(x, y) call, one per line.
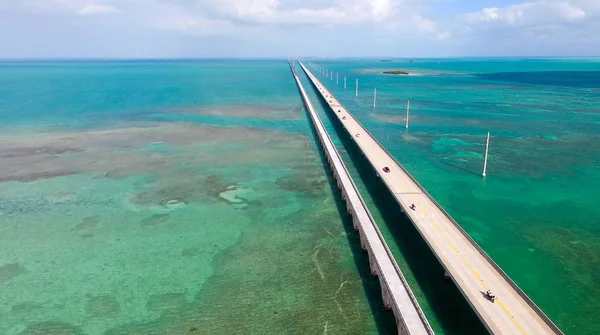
point(397, 73)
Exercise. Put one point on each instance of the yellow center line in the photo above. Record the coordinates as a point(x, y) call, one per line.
point(431, 221)
point(461, 256)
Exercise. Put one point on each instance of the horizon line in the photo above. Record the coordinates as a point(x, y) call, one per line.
point(11, 59)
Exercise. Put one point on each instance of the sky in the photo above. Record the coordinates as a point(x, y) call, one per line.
point(286, 28)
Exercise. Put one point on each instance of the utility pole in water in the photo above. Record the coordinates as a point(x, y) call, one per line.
point(375, 97)
point(407, 112)
point(487, 148)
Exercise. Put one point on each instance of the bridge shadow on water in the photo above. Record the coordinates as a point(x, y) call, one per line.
point(446, 308)
point(384, 319)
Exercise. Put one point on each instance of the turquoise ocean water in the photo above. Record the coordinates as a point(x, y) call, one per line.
point(175, 197)
point(537, 212)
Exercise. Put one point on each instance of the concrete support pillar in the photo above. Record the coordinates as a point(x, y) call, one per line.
point(385, 295)
point(372, 264)
point(363, 245)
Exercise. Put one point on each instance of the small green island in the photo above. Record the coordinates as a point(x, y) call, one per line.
point(396, 73)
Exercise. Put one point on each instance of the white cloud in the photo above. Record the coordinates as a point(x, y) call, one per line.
point(80, 7)
point(228, 16)
point(179, 17)
point(416, 25)
point(223, 17)
point(535, 27)
point(95, 9)
point(337, 12)
point(444, 36)
point(569, 11)
point(352, 24)
point(173, 18)
point(423, 24)
point(533, 13)
point(486, 14)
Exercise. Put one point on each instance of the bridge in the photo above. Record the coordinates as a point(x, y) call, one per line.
point(471, 269)
point(396, 293)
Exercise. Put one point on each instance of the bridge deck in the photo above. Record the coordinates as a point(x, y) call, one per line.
point(465, 262)
point(397, 295)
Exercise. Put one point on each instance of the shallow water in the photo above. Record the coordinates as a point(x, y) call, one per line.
point(171, 198)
